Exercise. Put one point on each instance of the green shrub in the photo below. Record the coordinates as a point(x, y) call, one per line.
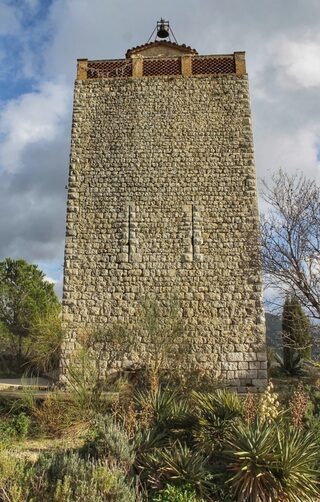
point(45, 340)
point(178, 465)
point(173, 493)
point(164, 408)
point(270, 463)
point(215, 414)
point(107, 440)
point(16, 427)
point(66, 477)
point(11, 477)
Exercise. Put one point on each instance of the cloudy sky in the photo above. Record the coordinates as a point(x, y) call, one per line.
point(40, 42)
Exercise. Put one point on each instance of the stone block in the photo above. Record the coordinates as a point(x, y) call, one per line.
point(235, 356)
point(254, 365)
point(250, 356)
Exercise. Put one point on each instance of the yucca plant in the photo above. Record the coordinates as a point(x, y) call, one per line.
point(250, 450)
point(179, 465)
point(215, 413)
point(166, 408)
point(271, 463)
point(295, 466)
point(293, 367)
point(145, 443)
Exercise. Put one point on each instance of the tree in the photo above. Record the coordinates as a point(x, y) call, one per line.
point(25, 295)
point(296, 333)
point(290, 241)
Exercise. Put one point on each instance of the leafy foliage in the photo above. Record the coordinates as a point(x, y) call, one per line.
point(66, 477)
point(172, 493)
point(180, 465)
point(15, 427)
point(25, 295)
point(162, 328)
point(164, 407)
point(106, 440)
point(45, 340)
point(215, 413)
point(272, 464)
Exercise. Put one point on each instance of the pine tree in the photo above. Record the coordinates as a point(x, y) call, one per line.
point(296, 333)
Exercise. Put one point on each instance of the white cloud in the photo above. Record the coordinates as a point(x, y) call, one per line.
point(299, 61)
point(50, 280)
point(32, 118)
point(295, 151)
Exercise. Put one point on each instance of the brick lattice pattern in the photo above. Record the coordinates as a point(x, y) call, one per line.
point(166, 66)
point(157, 66)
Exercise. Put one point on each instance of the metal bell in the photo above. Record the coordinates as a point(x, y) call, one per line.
point(163, 29)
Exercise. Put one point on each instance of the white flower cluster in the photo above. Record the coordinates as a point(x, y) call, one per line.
point(269, 406)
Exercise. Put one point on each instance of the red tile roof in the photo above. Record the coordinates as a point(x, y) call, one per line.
point(182, 47)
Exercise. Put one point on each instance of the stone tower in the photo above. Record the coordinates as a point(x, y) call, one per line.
point(162, 199)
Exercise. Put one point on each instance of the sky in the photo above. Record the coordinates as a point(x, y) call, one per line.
point(40, 41)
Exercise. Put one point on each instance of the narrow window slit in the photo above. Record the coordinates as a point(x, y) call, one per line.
point(129, 233)
point(192, 230)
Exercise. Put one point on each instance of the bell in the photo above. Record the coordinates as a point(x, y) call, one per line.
point(162, 29)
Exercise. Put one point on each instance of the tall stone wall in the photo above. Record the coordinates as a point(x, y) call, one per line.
point(162, 199)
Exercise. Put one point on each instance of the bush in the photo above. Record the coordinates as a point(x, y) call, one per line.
point(173, 493)
point(106, 440)
point(164, 408)
point(66, 477)
point(179, 465)
point(270, 463)
point(45, 341)
point(14, 428)
point(11, 477)
point(215, 414)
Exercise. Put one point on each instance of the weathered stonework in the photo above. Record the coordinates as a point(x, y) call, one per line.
point(162, 200)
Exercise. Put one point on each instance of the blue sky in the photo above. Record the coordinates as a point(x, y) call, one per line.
point(40, 41)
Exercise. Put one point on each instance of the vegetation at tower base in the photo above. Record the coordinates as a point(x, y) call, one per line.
point(290, 234)
point(29, 314)
point(296, 334)
point(173, 445)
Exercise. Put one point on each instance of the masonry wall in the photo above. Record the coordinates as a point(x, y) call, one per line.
point(162, 199)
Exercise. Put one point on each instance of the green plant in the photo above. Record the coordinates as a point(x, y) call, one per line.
point(271, 464)
point(294, 369)
point(296, 334)
point(163, 407)
point(172, 493)
point(45, 340)
point(215, 413)
point(15, 427)
point(296, 465)
point(250, 449)
point(179, 465)
point(107, 440)
point(66, 477)
point(24, 295)
point(11, 477)
point(162, 328)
